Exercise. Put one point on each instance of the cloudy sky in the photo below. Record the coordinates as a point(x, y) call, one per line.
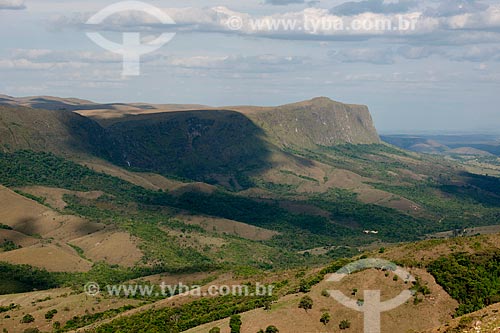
point(441, 74)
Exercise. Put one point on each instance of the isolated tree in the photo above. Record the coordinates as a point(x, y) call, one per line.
point(325, 318)
point(235, 324)
point(306, 303)
point(272, 329)
point(344, 324)
point(27, 319)
point(214, 330)
point(49, 315)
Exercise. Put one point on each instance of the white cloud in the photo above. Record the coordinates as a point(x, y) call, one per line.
point(366, 55)
point(12, 4)
point(456, 7)
point(260, 63)
point(307, 24)
point(60, 57)
point(478, 53)
point(373, 6)
point(26, 64)
point(284, 2)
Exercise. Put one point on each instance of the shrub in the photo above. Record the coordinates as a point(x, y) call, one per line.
point(306, 303)
point(235, 324)
point(49, 315)
point(304, 286)
point(214, 330)
point(9, 245)
point(344, 324)
point(12, 306)
point(272, 329)
point(27, 319)
point(325, 318)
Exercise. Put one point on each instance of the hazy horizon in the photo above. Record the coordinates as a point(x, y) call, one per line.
point(441, 76)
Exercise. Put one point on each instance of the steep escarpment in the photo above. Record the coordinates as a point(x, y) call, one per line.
point(59, 132)
point(201, 145)
point(217, 145)
point(214, 143)
point(320, 121)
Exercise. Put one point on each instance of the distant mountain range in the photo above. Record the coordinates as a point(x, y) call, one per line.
point(467, 144)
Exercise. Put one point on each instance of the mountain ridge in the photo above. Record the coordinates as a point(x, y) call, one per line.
point(200, 144)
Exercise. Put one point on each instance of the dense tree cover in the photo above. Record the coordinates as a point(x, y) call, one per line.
point(23, 278)
point(370, 160)
point(27, 278)
point(472, 279)
point(457, 206)
point(313, 230)
point(29, 168)
point(485, 183)
point(24, 168)
point(9, 245)
point(81, 321)
point(184, 317)
point(393, 226)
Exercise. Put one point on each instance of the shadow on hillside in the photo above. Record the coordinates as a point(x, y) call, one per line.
point(214, 146)
point(480, 189)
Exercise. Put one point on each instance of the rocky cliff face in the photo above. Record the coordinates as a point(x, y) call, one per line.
point(319, 121)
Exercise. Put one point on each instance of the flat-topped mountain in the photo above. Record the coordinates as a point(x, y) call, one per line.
point(191, 141)
point(320, 121)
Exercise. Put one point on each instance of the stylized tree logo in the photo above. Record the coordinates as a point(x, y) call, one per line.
point(131, 49)
point(372, 307)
